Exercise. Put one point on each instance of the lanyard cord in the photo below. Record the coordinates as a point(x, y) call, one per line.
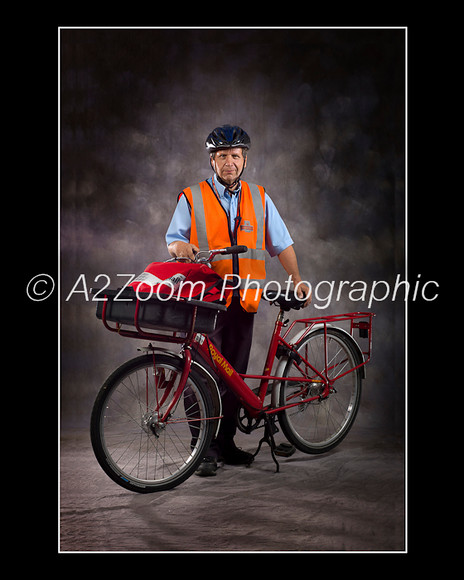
point(237, 220)
point(238, 217)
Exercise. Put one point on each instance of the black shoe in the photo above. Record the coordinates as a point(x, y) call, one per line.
point(234, 456)
point(207, 467)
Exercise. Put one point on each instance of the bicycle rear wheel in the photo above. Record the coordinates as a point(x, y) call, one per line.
point(320, 425)
point(132, 444)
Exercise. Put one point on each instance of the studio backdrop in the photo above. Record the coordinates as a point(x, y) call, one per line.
point(325, 111)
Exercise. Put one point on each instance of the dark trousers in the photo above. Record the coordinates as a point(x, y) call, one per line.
point(232, 337)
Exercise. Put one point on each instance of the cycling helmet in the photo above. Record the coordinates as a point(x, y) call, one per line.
point(226, 137)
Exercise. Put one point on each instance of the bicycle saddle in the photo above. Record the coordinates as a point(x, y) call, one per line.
point(284, 301)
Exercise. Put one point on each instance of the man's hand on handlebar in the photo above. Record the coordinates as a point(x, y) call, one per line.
point(183, 250)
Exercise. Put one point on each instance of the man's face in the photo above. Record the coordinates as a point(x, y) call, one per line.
point(229, 164)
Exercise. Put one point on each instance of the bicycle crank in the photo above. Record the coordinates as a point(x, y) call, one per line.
point(245, 423)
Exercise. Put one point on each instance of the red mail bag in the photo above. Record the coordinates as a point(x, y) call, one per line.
point(180, 280)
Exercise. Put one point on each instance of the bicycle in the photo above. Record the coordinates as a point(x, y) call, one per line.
point(156, 415)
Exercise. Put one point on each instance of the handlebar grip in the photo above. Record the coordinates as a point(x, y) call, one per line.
point(235, 250)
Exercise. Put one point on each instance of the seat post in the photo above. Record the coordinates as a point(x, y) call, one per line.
point(280, 315)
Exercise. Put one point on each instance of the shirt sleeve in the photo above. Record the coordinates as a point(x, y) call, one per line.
point(179, 228)
point(277, 235)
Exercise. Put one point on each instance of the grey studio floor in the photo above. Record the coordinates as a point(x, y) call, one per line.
point(350, 499)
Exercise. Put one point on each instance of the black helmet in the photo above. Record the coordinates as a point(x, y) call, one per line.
point(227, 136)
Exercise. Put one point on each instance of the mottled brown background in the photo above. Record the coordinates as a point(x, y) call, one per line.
point(325, 110)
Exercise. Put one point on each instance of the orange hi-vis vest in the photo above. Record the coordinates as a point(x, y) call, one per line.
point(210, 229)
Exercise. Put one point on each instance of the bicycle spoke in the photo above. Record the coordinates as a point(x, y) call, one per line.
point(319, 424)
point(137, 444)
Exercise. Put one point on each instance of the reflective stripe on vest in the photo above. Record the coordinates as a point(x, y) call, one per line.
point(215, 234)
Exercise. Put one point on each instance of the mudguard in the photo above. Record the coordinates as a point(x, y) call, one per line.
point(198, 369)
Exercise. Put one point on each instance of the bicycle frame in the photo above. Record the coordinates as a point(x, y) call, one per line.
point(252, 402)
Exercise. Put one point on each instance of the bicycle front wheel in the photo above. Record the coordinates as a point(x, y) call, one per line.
point(134, 444)
point(320, 425)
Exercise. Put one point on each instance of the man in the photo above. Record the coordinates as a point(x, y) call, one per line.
point(224, 211)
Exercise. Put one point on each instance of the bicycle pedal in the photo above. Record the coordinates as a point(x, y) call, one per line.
point(284, 450)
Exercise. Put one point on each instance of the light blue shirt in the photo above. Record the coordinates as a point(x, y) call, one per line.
point(277, 235)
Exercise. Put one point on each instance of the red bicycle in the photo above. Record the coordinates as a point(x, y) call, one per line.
point(155, 416)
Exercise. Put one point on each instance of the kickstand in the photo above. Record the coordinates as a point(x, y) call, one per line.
point(268, 437)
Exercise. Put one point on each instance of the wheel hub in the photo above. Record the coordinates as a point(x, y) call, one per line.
point(152, 424)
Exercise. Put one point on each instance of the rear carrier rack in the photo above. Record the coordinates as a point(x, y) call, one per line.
point(360, 321)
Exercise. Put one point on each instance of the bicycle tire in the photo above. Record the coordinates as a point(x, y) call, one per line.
point(135, 450)
point(319, 426)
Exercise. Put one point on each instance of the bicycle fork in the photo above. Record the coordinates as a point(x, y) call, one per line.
point(180, 387)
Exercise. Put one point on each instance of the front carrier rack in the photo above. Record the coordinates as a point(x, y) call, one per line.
point(178, 316)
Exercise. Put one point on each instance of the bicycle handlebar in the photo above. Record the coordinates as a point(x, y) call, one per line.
point(205, 256)
point(234, 250)
point(283, 300)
